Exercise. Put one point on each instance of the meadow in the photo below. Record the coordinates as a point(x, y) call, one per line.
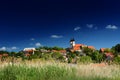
point(51, 70)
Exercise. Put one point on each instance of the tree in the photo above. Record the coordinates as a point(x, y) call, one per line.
point(116, 48)
point(85, 59)
point(57, 48)
point(107, 50)
point(88, 51)
point(20, 54)
point(116, 60)
point(56, 55)
point(97, 57)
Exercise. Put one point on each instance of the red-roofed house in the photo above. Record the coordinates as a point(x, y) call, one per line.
point(109, 56)
point(91, 47)
point(102, 50)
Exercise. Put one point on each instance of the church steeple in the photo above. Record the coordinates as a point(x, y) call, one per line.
point(72, 42)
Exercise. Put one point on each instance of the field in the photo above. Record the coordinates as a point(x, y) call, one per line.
point(50, 70)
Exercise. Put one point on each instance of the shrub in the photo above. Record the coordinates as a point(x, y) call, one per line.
point(97, 57)
point(46, 56)
point(56, 55)
point(85, 59)
point(116, 60)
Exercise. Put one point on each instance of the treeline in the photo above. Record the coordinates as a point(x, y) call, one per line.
point(65, 55)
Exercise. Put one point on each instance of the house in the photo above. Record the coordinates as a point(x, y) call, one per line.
point(29, 50)
point(108, 55)
point(91, 47)
point(102, 50)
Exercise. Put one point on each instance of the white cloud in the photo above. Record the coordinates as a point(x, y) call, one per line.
point(113, 27)
point(77, 28)
point(56, 36)
point(14, 48)
point(8, 48)
point(32, 39)
point(3, 49)
point(38, 44)
point(90, 25)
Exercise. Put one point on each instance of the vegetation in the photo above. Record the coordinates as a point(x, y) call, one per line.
point(45, 64)
point(58, 71)
point(53, 53)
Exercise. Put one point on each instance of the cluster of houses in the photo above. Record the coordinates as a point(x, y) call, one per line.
point(73, 48)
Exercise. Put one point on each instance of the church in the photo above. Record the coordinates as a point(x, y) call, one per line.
point(78, 47)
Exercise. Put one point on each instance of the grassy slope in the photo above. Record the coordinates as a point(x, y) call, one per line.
point(58, 71)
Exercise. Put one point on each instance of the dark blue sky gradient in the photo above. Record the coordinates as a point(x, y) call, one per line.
point(39, 19)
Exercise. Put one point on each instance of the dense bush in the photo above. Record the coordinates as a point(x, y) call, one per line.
point(116, 60)
point(85, 59)
point(97, 57)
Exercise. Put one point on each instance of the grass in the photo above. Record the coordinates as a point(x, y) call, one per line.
point(36, 70)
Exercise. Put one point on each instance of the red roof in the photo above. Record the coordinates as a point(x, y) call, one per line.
point(109, 54)
point(102, 49)
point(62, 51)
point(91, 47)
point(5, 54)
point(77, 46)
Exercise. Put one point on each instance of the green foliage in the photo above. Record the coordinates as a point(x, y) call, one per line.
point(107, 50)
point(57, 56)
point(117, 60)
point(42, 73)
point(50, 48)
point(49, 72)
point(20, 54)
point(69, 60)
point(2, 52)
point(88, 51)
point(57, 48)
point(116, 48)
point(85, 59)
point(46, 56)
point(97, 57)
point(71, 55)
point(36, 55)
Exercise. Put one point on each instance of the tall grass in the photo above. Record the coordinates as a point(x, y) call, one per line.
point(58, 71)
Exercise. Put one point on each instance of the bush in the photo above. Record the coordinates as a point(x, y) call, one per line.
point(56, 55)
point(116, 60)
point(46, 56)
point(97, 57)
point(85, 59)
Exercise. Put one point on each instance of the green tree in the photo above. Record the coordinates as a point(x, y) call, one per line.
point(116, 48)
point(57, 48)
point(97, 57)
point(116, 60)
point(57, 55)
point(85, 59)
point(87, 51)
point(46, 56)
point(107, 50)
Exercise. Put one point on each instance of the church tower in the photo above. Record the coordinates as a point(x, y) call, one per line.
point(72, 43)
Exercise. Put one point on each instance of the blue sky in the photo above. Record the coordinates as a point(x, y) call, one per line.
point(54, 22)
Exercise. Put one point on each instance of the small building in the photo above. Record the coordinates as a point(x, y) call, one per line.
point(29, 50)
point(102, 50)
